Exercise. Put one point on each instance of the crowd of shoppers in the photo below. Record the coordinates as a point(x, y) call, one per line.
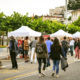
point(43, 51)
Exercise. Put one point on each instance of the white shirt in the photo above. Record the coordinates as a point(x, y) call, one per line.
point(72, 43)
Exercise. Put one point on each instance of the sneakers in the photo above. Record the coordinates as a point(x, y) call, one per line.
point(53, 74)
point(57, 75)
point(41, 75)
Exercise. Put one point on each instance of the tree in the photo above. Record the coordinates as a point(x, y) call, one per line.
point(72, 28)
point(2, 19)
point(77, 22)
point(74, 4)
point(57, 25)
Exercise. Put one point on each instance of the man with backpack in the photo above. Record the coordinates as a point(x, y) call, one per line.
point(64, 46)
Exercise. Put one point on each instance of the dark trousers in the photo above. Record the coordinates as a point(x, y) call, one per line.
point(40, 61)
point(13, 59)
point(64, 50)
point(48, 60)
point(71, 50)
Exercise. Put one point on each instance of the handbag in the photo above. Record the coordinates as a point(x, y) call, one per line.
point(64, 63)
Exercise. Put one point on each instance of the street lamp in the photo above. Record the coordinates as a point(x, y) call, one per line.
point(66, 20)
point(65, 14)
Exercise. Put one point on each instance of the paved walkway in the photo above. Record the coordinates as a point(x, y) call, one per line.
point(72, 73)
point(28, 71)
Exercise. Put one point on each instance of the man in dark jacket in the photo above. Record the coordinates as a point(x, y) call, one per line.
point(12, 48)
point(65, 46)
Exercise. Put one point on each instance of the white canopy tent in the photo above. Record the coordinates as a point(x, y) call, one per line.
point(23, 32)
point(76, 35)
point(60, 33)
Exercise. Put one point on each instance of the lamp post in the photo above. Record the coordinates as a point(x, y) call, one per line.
point(65, 14)
point(66, 20)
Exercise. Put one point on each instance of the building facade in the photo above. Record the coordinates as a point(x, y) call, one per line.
point(75, 15)
point(55, 14)
point(57, 11)
point(55, 17)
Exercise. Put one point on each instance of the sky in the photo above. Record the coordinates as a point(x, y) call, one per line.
point(36, 7)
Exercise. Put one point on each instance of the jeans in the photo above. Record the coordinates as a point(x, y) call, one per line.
point(56, 66)
point(64, 52)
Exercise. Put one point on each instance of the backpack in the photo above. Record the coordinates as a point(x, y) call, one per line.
point(40, 48)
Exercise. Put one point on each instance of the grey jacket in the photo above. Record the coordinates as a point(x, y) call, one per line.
point(34, 43)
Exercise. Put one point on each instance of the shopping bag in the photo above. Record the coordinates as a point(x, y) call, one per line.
point(64, 63)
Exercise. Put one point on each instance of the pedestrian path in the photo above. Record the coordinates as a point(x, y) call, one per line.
point(27, 70)
point(72, 73)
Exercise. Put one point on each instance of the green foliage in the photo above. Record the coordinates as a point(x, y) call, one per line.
point(57, 25)
point(77, 22)
point(72, 28)
point(69, 18)
point(16, 20)
point(74, 4)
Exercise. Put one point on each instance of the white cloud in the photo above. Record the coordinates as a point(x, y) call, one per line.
point(38, 7)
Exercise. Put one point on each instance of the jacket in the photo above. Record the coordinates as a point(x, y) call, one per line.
point(26, 45)
point(56, 52)
point(45, 52)
point(13, 45)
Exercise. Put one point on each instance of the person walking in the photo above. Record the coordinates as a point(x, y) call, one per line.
point(56, 51)
point(72, 46)
point(42, 54)
point(48, 43)
point(33, 45)
point(65, 46)
point(13, 47)
point(26, 48)
point(78, 49)
point(23, 48)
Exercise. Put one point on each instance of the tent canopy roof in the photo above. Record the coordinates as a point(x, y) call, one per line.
point(76, 35)
point(60, 33)
point(24, 31)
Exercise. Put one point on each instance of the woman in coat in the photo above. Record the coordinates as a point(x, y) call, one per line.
point(56, 51)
